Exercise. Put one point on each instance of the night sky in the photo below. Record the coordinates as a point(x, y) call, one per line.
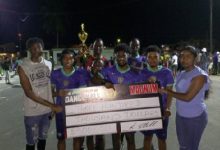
point(152, 21)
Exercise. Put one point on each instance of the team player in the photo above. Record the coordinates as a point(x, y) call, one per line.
point(136, 61)
point(121, 73)
point(67, 77)
point(98, 47)
point(96, 79)
point(156, 73)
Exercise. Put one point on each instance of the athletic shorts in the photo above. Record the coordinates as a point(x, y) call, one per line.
point(161, 133)
point(60, 125)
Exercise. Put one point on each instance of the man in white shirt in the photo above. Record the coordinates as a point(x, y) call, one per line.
point(34, 73)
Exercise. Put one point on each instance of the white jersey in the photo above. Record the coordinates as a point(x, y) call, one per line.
point(175, 60)
point(39, 78)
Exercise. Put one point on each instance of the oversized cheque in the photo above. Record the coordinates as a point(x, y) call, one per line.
point(97, 110)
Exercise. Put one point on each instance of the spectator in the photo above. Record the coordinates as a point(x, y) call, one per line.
point(34, 73)
point(6, 68)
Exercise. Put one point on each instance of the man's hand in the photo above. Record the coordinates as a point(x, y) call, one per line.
point(167, 112)
point(97, 80)
point(162, 90)
point(109, 85)
point(57, 108)
point(152, 79)
point(63, 93)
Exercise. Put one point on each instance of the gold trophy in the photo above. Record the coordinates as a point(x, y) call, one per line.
point(83, 35)
point(83, 49)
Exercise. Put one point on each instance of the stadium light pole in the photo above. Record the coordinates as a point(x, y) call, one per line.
point(211, 27)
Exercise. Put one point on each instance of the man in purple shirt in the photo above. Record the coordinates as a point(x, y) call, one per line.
point(156, 73)
point(121, 74)
point(136, 61)
point(66, 77)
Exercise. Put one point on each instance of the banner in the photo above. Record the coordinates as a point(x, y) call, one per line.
point(98, 110)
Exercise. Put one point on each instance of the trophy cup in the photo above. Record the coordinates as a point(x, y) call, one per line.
point(83, 35)
point(83, 49)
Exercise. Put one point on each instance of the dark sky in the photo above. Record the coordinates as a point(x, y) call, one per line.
point(152, 21)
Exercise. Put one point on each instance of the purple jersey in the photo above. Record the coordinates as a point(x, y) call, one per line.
point(163, 76)
point(138, 59)
point(137, 62)
point(115, 76)
point(62, 81)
